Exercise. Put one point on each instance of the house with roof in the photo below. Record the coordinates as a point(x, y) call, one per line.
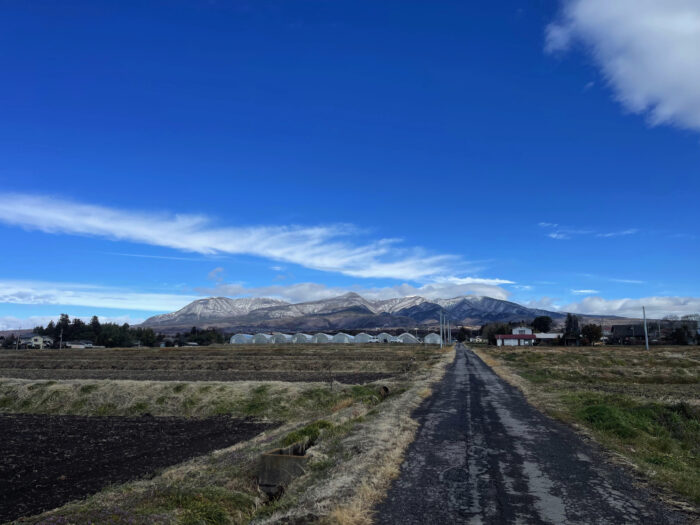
point(35, 341)
point(521, 336)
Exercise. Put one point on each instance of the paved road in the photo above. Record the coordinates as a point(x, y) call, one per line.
point(484, 455)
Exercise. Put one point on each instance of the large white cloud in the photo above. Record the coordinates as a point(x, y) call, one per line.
point(655, 306)
point(327, 247)
point(649, 51)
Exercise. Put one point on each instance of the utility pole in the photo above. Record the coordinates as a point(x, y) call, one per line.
point(60, 341)
point(646, 334)
point(18, 337)
point(441, 334)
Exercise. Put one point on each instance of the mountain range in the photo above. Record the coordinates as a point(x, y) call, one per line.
point(350, 311)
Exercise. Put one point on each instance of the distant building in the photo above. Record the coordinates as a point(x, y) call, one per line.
point(521, 336)
point(365, 338)
point(35, 341)
point(407, 338)
point(341, 337)
point(548, 338)
point(432, 339)
point(626, 334)
point(79, 344)
point(241, 339)
point(322, 338)
point(386, 338)
point(301, 338)
point(280, 339)
point(262, 339)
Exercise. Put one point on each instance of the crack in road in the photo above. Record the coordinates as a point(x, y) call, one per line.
point(483, 455)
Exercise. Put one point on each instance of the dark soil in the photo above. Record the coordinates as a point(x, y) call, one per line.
point(47, 461)
point(265, 363)
point(348, 378)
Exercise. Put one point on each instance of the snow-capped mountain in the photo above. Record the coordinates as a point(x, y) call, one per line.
point(347, 311)
point(213, 308)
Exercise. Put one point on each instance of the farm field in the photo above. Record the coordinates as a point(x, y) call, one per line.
point(643, 405)
point(73, 456)
point(163, 441)
point(345, 364)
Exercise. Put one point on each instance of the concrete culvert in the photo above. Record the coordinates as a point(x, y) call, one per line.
point(278, 467)
point(383, 391)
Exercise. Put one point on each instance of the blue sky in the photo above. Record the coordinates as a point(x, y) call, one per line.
point(544, 152)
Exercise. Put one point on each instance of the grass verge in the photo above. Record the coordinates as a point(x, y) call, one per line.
point(642, 405)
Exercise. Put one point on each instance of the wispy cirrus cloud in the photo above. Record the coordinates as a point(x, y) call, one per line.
point(648, 50)
point(78, 294)
point(329, 248)
point(559, 232)
point(621, 233)
point(584, 292)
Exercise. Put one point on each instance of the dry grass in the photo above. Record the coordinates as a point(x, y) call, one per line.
point(358, 466)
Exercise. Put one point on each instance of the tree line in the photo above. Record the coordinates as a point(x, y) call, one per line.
point(113, 335)
point(100, 334)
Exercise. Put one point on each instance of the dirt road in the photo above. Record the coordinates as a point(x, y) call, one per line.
point(484, 455)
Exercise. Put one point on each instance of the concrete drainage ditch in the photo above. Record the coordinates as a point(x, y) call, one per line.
point(278, 467)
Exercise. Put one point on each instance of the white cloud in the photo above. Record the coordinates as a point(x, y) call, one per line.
point(74, 294)
point(15, 323)
point(584, 292)
point(560, 232)
point(630, 231)
point(648, 50)
point(656, 307)
point(217, 274)
point(324, 248)
point(544, 303)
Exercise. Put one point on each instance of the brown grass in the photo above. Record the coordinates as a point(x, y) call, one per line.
point(363, 462)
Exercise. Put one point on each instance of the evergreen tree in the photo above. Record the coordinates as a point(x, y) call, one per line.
point(95, 325)
point(571, 328)
point(542, 323)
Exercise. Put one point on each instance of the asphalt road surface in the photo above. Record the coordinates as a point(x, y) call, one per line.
point(483, 455)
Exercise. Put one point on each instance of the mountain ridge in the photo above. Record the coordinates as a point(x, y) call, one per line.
point(347, 311)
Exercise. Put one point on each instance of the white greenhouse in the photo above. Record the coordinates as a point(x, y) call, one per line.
point(301, 338)
point(241, 339)
point(341, 337)
point(386, 338)
point(432, 339)
point(322, 338)
point(365, 338)
point(407, 338)
point(280, 339)
point(262, 339)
